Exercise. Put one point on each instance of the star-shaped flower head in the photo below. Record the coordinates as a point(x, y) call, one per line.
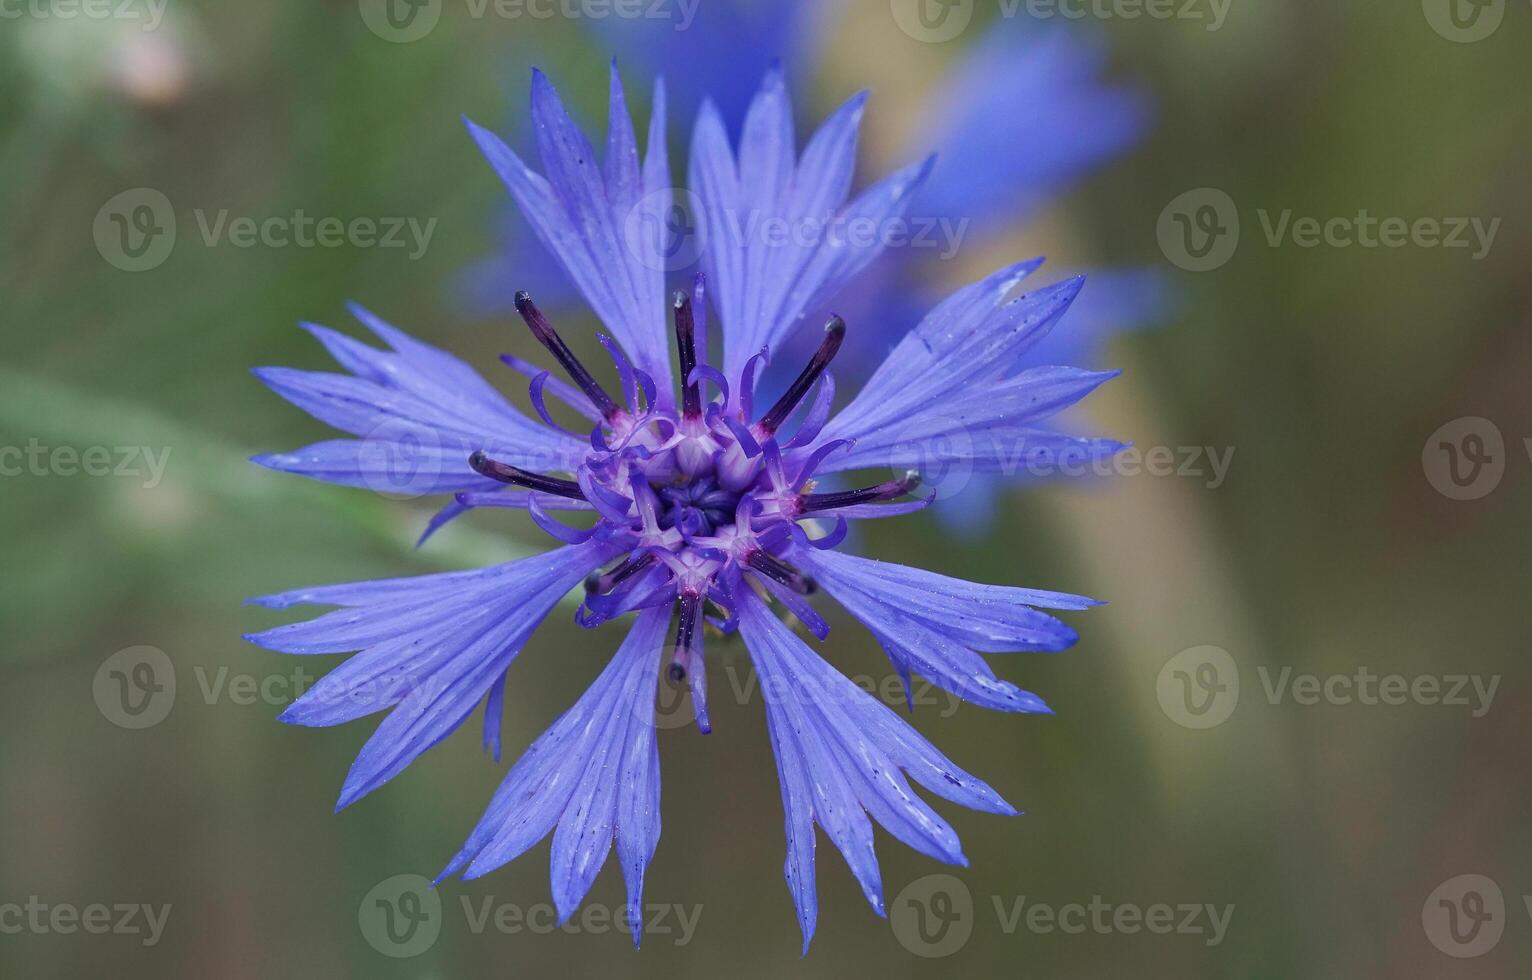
point(700, 505)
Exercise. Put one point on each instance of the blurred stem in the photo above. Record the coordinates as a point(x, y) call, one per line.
point(1148, 547)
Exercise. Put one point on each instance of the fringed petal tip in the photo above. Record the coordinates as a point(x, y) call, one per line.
point(1072, 285)
point(449, 512)
point(290, 716)
point(279, 462)
point(278, 601)
point(1031, 704)
point(921, 170)
point(1013, 274)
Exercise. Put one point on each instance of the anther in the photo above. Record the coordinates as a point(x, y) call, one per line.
point(549, 338)
point(835, 332)
point(846, 498)
point(686, 342)
point(686, 629)
point(601, 583)
point(781, 572)
point(686, 657)
point(506, 473)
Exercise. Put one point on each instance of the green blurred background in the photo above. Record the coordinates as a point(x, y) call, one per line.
point(1329, 547)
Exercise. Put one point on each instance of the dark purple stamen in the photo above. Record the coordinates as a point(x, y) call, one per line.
point(780, 572)
point(686, 340)
point(603, 582)
point(835, 332)
point(846, 498)
point(549, 338)
point(686, 636)
point(506, 473)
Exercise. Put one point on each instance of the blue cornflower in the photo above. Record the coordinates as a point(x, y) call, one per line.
point(703, 504)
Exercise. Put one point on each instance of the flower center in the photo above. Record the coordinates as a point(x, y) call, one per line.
point(698, 507)
point(695, 496)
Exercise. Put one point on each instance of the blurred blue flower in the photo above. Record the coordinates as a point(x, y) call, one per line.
point(698, 501)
